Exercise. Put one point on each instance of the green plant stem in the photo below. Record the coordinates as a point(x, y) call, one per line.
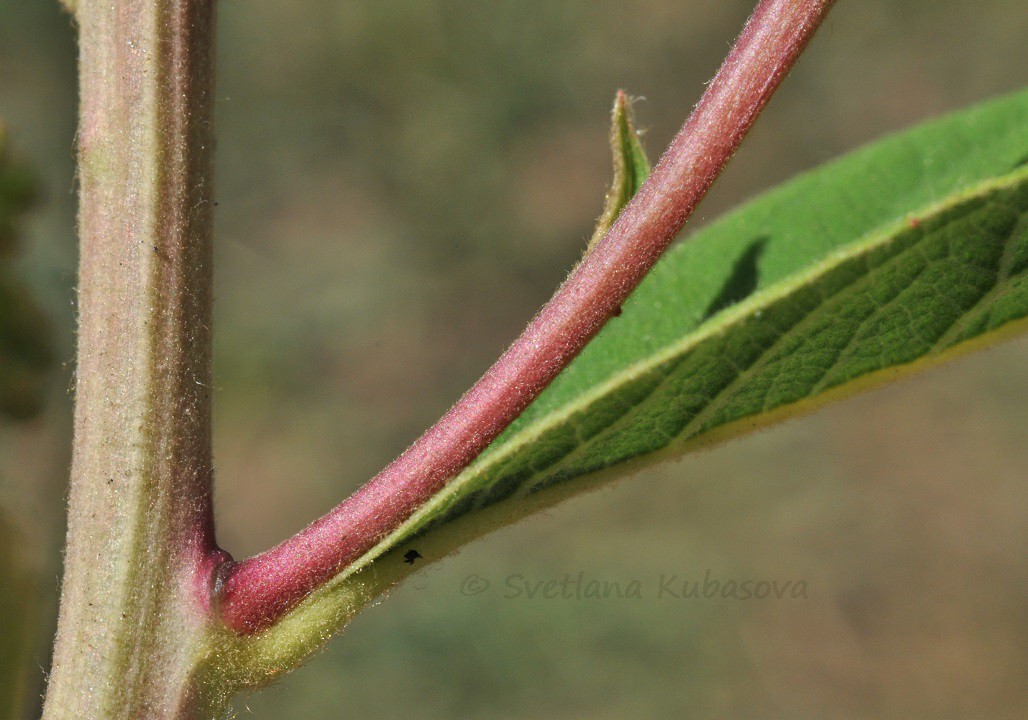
point(135, 601)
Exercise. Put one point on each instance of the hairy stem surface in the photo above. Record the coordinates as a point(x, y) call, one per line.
point(261, 589)
point(135, 600)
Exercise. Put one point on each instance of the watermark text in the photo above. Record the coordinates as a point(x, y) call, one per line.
point(664, 586)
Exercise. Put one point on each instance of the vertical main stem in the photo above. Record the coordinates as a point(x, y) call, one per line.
point(140, 555)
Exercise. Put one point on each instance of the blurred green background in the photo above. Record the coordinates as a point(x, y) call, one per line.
point(401, 183)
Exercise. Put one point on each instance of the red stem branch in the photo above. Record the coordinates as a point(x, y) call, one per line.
point(259, 590)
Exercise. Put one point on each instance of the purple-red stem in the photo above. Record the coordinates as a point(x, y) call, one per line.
point(259, 590)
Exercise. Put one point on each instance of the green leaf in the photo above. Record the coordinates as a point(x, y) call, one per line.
point(631, 166)
point(885, 261)
point(24, 333)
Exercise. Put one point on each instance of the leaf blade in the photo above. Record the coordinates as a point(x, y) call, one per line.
point(751, 364)
point(934, 219)
point(645, 329)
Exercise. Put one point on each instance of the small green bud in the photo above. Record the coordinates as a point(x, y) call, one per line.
point(631, 167)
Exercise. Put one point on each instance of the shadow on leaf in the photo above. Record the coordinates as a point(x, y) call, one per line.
point(743, 280)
